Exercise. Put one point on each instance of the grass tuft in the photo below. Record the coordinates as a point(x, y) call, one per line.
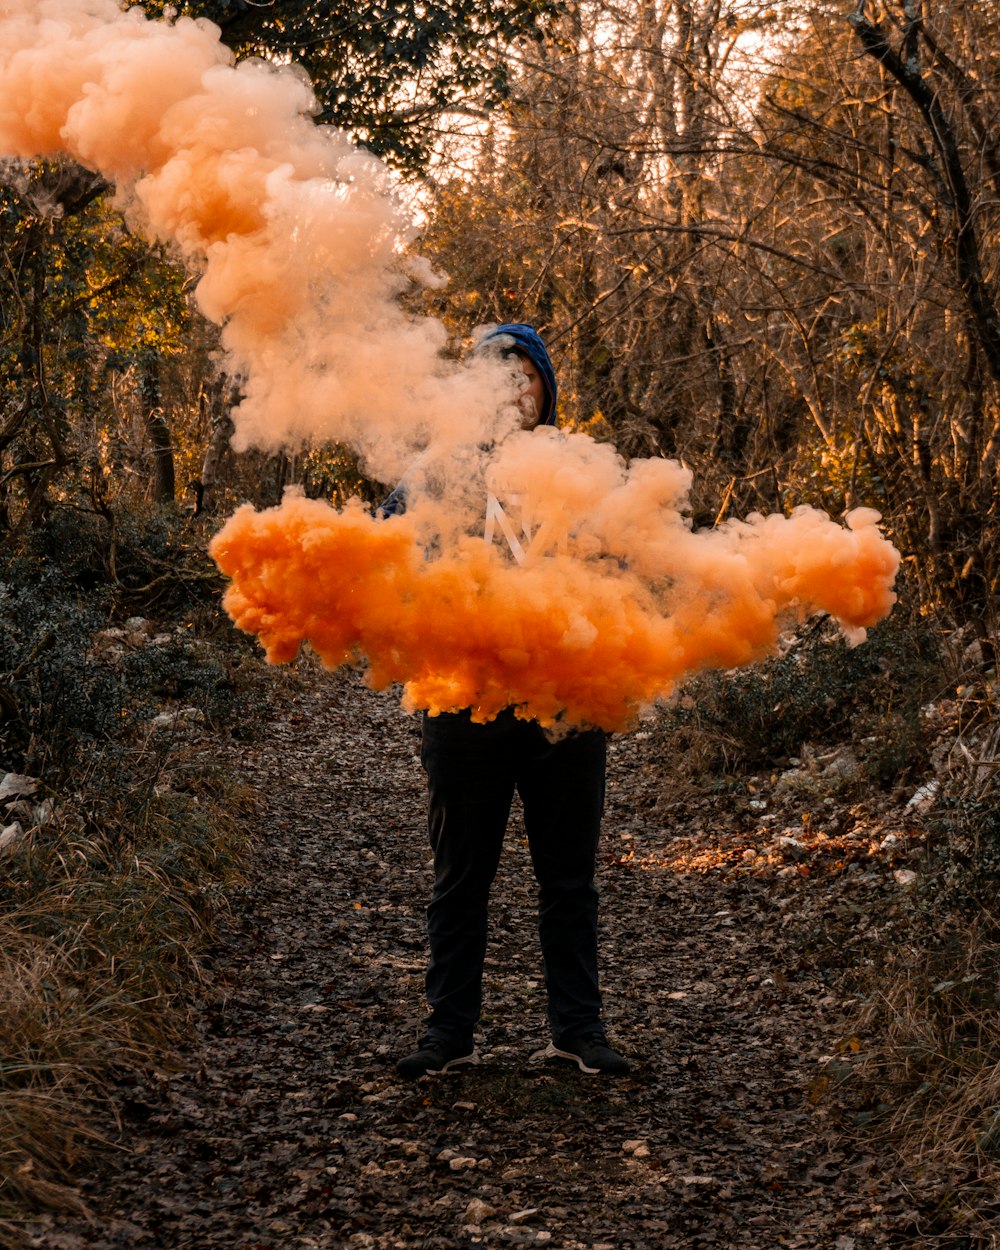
point(100, 943)
point(132, 838)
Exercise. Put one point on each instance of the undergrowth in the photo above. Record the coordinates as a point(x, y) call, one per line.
point(132, 834)
point(926, 1076)
point(931, 1073)
point(818, 691)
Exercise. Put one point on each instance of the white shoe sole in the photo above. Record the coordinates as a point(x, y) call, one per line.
point(553, 1052)
point(452, 1063)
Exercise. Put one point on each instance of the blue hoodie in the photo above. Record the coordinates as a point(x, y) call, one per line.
point(511, 337)
point(525, 340)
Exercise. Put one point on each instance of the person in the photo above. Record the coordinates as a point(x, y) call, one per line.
point(472, 772)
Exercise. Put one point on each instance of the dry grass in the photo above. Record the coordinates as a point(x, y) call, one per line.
point(934, 1010)
point(104, 915)
point(55, 1040)
point(941, 1042)
point(934, 1072)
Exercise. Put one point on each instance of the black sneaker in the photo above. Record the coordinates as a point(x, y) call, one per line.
point(590, 1052)
point(435, 1055)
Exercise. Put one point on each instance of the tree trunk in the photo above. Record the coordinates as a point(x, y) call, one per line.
point(220, 398)
point(158, 432)
point(965, 238)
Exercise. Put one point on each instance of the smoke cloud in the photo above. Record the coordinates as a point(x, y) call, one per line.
point(300, 250)
point(295, 233)
point(615, 602)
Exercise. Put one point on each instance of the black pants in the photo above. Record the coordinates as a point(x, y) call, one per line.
point(472, 772)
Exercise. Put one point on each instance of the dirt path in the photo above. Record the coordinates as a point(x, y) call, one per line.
point(288, 1128)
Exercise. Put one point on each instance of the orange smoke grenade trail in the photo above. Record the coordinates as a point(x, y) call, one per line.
point(560, 637)
point(295, 234)
point(292, 230)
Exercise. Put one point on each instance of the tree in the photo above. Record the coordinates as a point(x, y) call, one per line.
point(765, 243)
point(888, 130)
point(103, 368)
point(90, 319)
point(605, 179)
point(387, 72)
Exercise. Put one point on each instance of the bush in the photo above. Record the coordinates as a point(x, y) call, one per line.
point(108, 901)
point(65, 698)
point(931, 1004)
point(819, 690)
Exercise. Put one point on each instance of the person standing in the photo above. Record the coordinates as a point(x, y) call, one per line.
point(473, 771)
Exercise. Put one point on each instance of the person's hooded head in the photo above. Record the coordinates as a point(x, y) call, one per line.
point(516, 340)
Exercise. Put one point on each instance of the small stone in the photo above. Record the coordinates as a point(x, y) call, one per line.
point(478, 1211)
point(17, 786)
point(522, 1217)
point(905, 877)
point(180, 716)
point(462, 1163)
point(843, 765)
point(632, 1146)
point(10, 837)
point(923, 797)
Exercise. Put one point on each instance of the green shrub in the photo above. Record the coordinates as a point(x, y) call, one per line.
point(66, 703)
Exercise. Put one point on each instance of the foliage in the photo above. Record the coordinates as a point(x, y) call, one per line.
point(75, 696)
point(104, 914)
point(759, 266)
point(386, 73)
point(932, 1012)
point(135, 838)
point(820, 691)
point(106, 378)
point(90, 315)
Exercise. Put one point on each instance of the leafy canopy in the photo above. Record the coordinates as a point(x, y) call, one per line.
point(383, 70)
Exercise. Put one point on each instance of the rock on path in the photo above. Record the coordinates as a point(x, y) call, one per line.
point(286, 1127)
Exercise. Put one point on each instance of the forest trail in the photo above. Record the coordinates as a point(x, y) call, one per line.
point(285, 1125)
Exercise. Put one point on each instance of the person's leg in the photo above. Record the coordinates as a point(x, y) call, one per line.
point(562, 788)
point(470, 788)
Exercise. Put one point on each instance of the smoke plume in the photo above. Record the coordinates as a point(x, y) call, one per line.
point(295, 233)
point(300, 250)
point(615, 602)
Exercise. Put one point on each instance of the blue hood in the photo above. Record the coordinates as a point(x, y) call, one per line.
point(524, 338)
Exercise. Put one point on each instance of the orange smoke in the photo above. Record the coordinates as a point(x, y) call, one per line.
point(583, 640)
point(295, 233)
point(299, 245)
